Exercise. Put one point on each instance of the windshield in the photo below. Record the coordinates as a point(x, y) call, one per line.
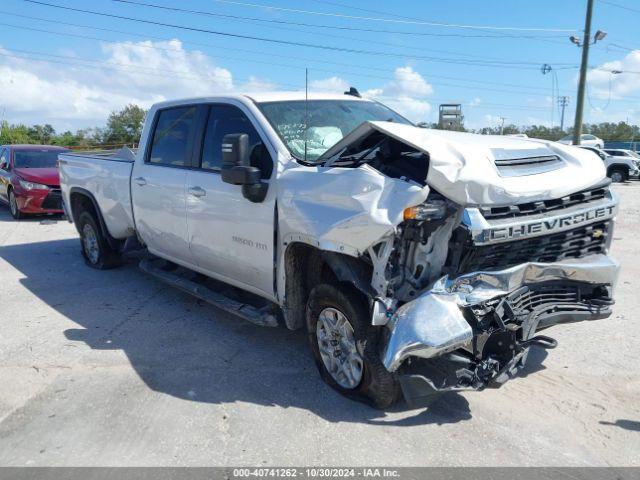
point(36, 158)
point(328, 122)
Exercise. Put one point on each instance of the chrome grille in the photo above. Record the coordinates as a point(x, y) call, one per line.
point(533, 208)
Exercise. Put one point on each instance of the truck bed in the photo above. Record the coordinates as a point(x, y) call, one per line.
point(106, 175)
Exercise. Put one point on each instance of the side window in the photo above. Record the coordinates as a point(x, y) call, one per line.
point(226, 119)
point(589, 137)
point(173, 137)
point(4, 158)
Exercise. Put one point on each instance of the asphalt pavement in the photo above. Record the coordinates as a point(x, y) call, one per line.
point(116, 369)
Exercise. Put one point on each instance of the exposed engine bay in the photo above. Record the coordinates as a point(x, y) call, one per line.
point(463, 288)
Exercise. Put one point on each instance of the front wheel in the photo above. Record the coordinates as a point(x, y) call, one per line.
point(345, 346)
point(618, 176)
point(95, 249)
point(13, 206)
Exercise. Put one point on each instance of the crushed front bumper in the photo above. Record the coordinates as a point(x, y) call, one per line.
point(476, 329)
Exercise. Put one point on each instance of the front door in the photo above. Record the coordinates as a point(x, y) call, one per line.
point(231, 238)
point(158, 184)
point(5, 173)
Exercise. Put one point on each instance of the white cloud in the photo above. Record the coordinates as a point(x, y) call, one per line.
point(602, 82)
point(406, 93)
point(73, 96)
point(475, 102)
point(331, 84)
point(77, 93)
point(408, 83)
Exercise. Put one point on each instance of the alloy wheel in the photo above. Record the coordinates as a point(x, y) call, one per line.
point(338, 348)
point(13, 204)
point(90, 243)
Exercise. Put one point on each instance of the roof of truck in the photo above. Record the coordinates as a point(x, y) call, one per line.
point(261, 97)
point(292, 96)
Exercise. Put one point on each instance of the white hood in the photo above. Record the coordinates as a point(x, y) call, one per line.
point(473, 169)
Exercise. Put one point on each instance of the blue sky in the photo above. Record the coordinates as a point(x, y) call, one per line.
point(73, 75)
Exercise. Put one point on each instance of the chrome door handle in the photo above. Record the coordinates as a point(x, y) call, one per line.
point(140, 181)
point(197, 191)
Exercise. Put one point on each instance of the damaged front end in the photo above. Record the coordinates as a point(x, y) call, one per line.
point(511, 237)
point(477, 329)
point(506, 277)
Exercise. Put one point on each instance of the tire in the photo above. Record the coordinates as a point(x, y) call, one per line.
point(13, 206)
point(618, 175)
point(375, 385)
point(95, 249)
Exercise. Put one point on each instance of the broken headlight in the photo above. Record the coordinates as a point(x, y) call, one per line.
point(435, 209)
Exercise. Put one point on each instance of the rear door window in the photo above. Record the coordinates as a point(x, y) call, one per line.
point(173, 137)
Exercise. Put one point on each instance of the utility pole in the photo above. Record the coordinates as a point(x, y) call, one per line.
point(502, 125)
point(562, 102)
point(586, 42)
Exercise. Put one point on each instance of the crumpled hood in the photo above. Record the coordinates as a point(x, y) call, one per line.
point(45, 176)
point(473, 169)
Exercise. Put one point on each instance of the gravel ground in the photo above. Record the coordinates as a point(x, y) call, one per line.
point(116, 369)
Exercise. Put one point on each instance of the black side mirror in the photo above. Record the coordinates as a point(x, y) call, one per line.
point(237, 169)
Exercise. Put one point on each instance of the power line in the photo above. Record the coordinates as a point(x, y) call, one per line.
point(235, 58)
point(333, 27)
point(298, 67)
point(241, 18)
point(96, 64)
point(624, 7)
point(92, 64)
point(257, 52)
point(369, 10)
point(622, 47)
point(401, 21)
point(478, 63)
point(266, 62)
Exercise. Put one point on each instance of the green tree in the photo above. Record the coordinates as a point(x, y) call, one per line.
point(12, 134)
point(42, 133)
point(124, 126)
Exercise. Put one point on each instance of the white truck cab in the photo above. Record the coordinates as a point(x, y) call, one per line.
point(419, 261)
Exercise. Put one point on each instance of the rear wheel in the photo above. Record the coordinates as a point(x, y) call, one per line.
point(95, 249)
point(345, 346)
point(617, 175)
point(13, 206)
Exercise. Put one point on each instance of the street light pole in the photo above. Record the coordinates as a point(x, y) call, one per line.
point(577, 126)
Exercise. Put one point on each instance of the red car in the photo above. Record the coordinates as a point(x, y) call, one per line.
point(29, 180)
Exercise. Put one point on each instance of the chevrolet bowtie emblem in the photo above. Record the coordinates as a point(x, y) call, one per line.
point(597, 233)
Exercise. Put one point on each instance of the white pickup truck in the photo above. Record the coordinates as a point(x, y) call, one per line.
point(419, 261)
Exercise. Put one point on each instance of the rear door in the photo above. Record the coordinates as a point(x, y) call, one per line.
point(231, 238)
point(158, 183)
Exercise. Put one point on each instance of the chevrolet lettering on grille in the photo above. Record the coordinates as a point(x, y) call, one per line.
point(549, 225)
point(487, 232)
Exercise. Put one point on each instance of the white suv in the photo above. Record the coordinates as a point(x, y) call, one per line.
point(586, 139)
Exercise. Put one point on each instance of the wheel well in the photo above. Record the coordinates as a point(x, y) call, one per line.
point(618, 168)
point(307, 266)
point(82, 202)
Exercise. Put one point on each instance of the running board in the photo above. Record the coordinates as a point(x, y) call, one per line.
point(259, 316)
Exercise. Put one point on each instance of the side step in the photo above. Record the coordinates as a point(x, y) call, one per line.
point(259, 316)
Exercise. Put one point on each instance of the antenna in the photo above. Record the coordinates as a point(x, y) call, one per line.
point(306, 110)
